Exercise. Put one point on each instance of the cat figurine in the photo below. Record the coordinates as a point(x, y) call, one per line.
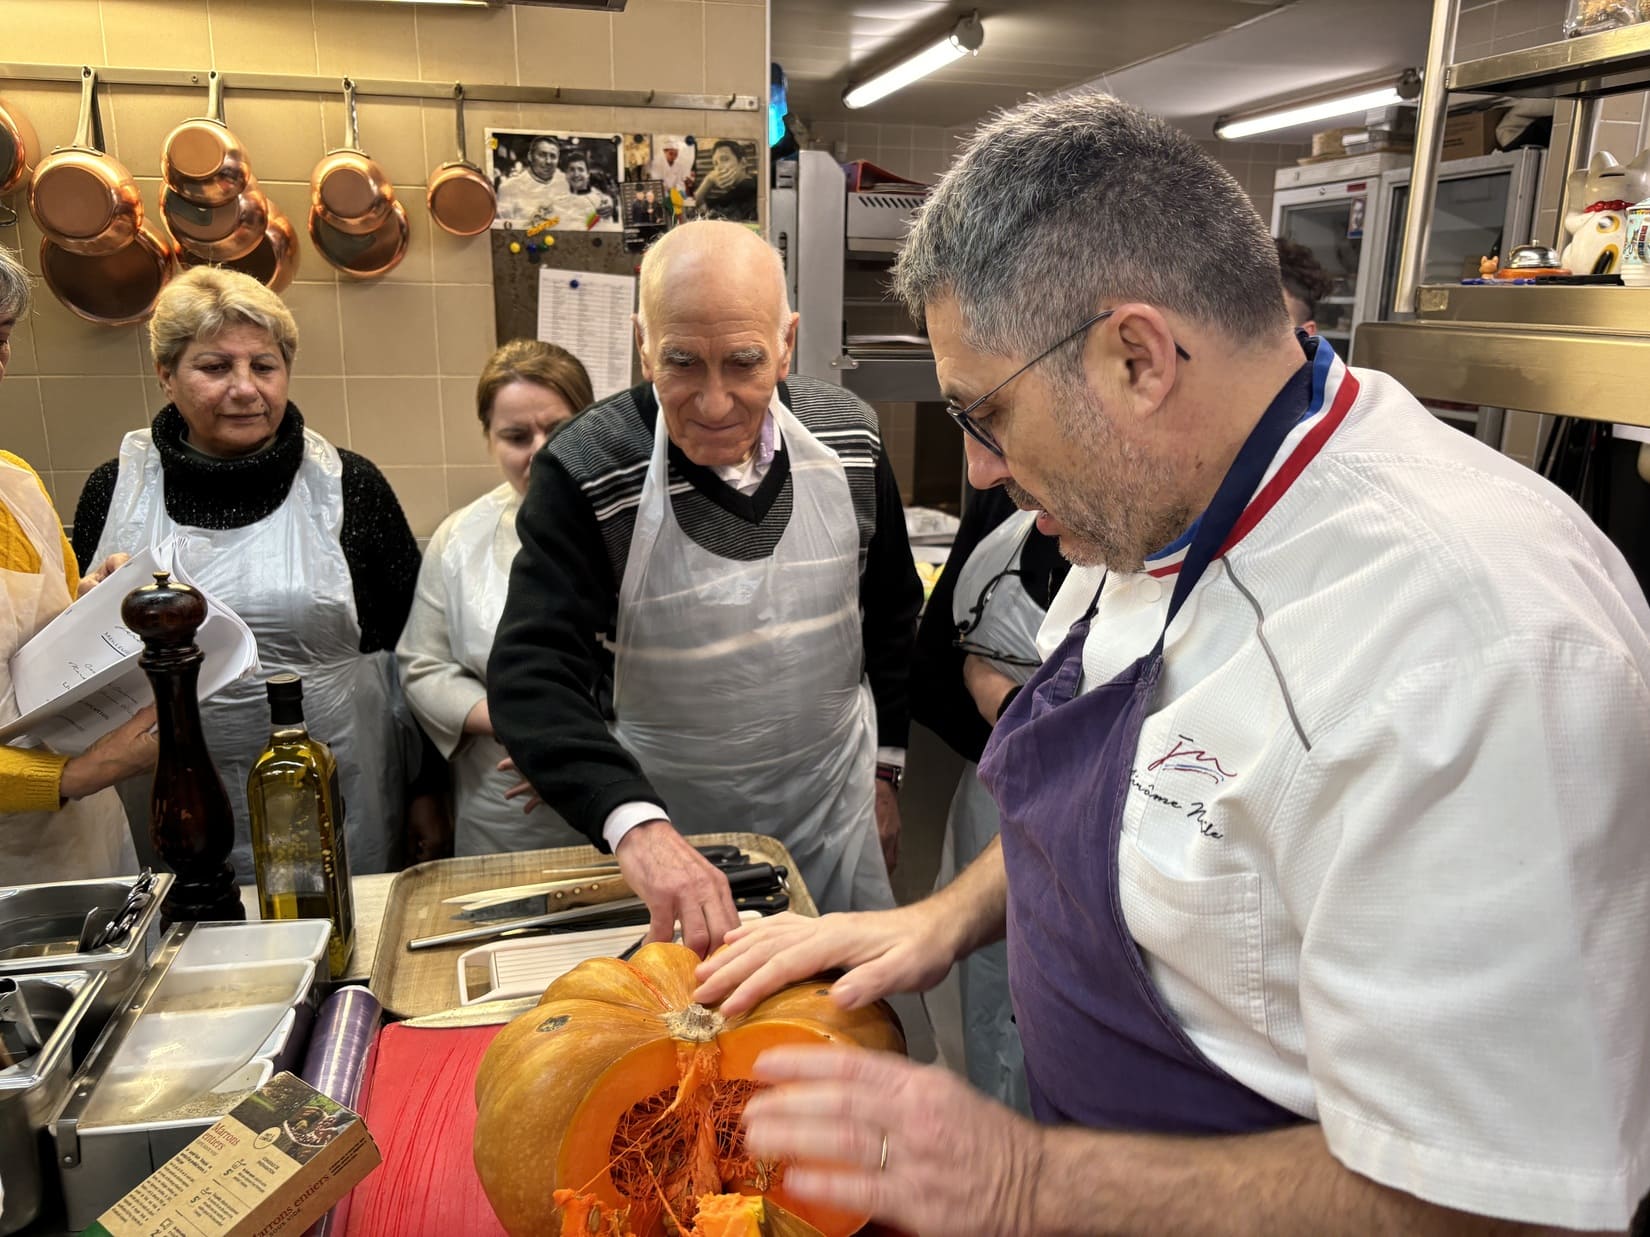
point(1596, 199)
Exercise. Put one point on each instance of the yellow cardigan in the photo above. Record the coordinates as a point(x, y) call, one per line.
point(30, 777)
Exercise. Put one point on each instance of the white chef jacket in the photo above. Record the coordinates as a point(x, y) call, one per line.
point(1387, 849)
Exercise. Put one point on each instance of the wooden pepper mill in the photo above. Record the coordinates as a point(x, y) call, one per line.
point(190, 821)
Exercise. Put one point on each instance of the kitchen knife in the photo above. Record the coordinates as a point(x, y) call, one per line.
point(580, 918)
point(742, 878)
point(481, 1014)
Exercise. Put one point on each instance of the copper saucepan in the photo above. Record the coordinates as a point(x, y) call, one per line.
point(218, 233)
point(19, 148)
point(114, 289)
point(459, 195)
point(363, 256)
point(85, 201)
point(273, 260)
point(351, 192)
point(202, 161)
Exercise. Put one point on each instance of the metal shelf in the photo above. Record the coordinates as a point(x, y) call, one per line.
point(1610, 62)
point(890, 375)
point(1565, 351)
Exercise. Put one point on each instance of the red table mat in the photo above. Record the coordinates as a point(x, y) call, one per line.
point(419, 1105)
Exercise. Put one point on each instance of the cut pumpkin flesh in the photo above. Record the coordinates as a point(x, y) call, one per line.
point(719, 1215)
point(618, 1089)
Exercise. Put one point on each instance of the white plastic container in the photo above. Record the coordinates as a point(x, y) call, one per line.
point(240, 944)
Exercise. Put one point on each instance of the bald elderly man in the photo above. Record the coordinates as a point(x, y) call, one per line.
point(728, 543)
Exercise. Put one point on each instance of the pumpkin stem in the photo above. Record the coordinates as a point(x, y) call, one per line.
point(696, 1024)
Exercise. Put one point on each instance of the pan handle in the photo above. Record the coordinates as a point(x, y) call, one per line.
point(214, 96)
point(458, 106)
point(352, 132)
point(88, 133)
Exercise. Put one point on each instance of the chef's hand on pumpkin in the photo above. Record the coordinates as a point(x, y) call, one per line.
point(100, 573)
point(521, 788)
point(888, 823)
point(902, 950)
point(956, 1163)
point(678, 884)
point(988, 685)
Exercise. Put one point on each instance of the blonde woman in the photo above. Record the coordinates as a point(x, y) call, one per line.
point(59, 819)
point(527, 391)
point(304, 541)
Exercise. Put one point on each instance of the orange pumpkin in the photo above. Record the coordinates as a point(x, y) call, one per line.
point(622, 1094)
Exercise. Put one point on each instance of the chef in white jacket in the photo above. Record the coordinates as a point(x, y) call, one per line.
point(527, 391)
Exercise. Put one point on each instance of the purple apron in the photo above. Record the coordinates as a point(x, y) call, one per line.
point(1101, 1048)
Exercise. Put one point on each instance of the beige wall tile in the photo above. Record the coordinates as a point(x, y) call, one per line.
point(392, 132)
point(320, 341)
point(415, 266)
point(144, 119)
point(325, 408)
point(657, 45)
point(51, 107)
point(395, 421)
point(55, 31)
point(389, 329)
point(22, 420)
point(736, 51)
point(564, 47)
point(86, 417)
point(65, 344)
point(66, 487)
point(460, 427)
point(440, 130)
point(466, 484)
point(131, 27)
point(366, 40)
point(423, 496)
point(554, 118)
point(1628, 107)
point(282, 133)
point(263, 36)
point(464, 333)
point(460, 259)
point(467, 45)
point(1518, 434)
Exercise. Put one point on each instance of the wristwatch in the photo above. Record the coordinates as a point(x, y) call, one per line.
point(892, 774)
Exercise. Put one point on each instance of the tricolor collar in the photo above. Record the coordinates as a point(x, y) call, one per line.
point(1333, 390)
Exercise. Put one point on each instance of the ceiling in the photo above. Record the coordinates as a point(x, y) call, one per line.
point(1185, 59)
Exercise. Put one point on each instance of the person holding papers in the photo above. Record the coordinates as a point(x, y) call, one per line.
point(58, 818)
point(305, 542)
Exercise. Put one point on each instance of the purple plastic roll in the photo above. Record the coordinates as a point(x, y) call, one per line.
point(335, 1065)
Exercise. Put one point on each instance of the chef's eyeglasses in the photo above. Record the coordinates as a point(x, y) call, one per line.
point(976, 615)
point(964, 416)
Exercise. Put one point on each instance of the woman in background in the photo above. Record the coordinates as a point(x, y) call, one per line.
point(59, 818)
point(527, 391)
point(305, 542)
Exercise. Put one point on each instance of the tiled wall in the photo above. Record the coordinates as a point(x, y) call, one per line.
point(386, 367)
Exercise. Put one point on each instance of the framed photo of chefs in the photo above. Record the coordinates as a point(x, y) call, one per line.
point(570, 181)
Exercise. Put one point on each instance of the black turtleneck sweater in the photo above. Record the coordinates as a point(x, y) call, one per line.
point(204, 491)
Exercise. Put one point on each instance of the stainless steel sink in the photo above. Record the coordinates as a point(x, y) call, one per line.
point(34, 1086)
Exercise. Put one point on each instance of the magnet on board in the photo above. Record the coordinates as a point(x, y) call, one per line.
point(572, 283)
point(515, 246)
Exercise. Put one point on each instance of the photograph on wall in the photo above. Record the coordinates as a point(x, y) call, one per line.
point(725, 171)
point(570, 180)
point(647, 212)
point(667, 158)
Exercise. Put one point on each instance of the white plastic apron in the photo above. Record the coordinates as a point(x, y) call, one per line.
point(1008, 624)
point(738, 686)
point(286, 576)
point(475, 571)
point(88, 837)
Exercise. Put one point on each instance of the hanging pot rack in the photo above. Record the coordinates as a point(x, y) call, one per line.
point(391, 88)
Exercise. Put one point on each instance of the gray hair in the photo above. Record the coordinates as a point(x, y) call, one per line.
point(1059, 206)
point(16, 287)
point(206, 300)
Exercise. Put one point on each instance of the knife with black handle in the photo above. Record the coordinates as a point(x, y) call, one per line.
point(742, 878)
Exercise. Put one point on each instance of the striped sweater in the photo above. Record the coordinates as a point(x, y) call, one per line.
point(549, 667)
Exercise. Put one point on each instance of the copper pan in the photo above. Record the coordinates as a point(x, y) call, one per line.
point(218, 233)
point(351, 192)
point(365, 257)
point(459, 195)
point(202, 161)
point(272, 262)
point(19, 148)
point(85, 201)
point(113, 289)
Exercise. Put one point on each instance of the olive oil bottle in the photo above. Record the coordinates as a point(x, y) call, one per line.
point(298, 825)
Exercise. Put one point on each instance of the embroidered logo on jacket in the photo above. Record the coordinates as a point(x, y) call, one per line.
point(1184, 756)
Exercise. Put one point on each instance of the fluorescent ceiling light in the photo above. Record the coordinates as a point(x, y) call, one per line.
point(964, 40)
point(1306, 113)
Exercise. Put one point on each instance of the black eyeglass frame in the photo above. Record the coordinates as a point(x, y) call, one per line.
point(964, 416)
